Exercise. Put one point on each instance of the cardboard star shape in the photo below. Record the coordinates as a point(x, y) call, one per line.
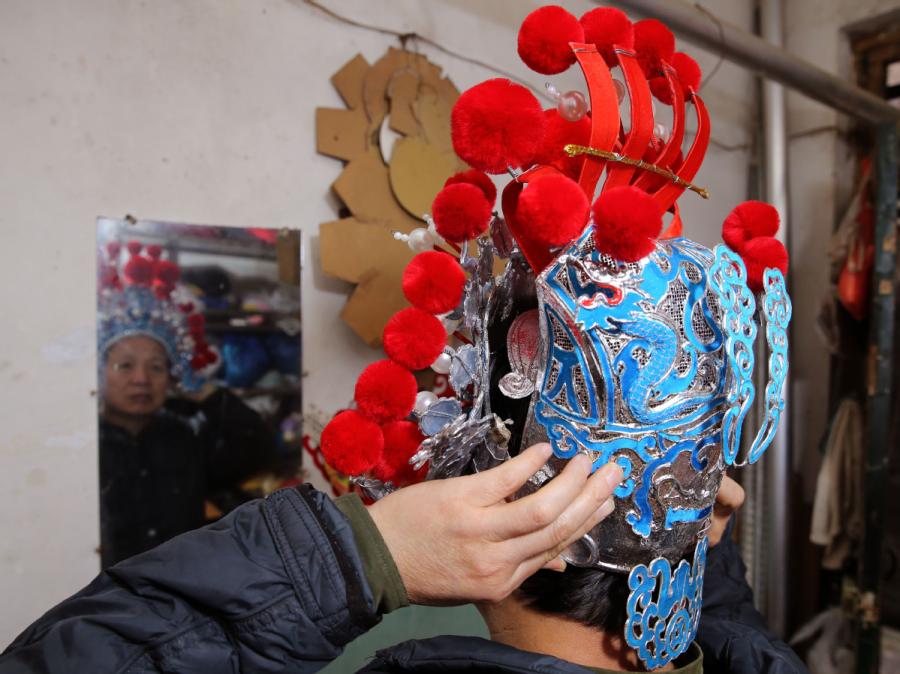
point(394, 136)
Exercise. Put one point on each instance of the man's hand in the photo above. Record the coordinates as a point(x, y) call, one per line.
point(728, 500)
point(459, 540)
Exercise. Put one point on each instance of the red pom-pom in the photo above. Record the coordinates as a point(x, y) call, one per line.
point(654, 43)
point(401, 441)
point(162, 290)
point(109, 277)
point(167, 272)
point(497, 124)
point(760, 254)
point(414, 338)
point(461, 212)
point(659, 87)
point(154, 251)
point(134, 247)
point(747, 221)
point(386, 391)
point(477, 178)
point(544, 39)
point(626, 222)
point(607, 28)
point(434, 282)
point(196, 323)
point(559, 133)
point(689, 73)
point(138, 271)
point(351, 443)
point(689, 77)
point(552, 210)
point(112, 250)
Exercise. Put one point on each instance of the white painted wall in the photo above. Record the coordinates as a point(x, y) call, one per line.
point(194, 111)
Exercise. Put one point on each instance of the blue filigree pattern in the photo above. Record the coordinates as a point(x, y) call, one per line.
point(634, 371)
point(728, 279)
point(663, 608)
point(777, 309)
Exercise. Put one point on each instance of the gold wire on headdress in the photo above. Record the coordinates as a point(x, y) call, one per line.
point(575, 150)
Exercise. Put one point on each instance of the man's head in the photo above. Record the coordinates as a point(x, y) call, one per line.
point(608, 334)
point(136, 377)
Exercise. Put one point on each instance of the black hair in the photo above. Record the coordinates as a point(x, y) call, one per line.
point(592, 597)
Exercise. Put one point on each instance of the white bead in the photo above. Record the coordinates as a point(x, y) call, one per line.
point(420, 240)
point(424, 400)
point(661, 131)
point(572, 106)
point(450, 325)
point(442, 364)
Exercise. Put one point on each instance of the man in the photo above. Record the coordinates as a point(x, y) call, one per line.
point(282, 584)
point(161, 460)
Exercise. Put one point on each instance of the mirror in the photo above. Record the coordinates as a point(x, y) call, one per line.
point(199, 375)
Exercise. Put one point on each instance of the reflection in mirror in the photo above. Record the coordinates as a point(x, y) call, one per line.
point(198, 337)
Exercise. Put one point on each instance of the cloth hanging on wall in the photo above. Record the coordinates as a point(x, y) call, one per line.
point(837, 519)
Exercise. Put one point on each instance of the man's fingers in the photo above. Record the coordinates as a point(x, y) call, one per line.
point(506, 479)
point(589, 507)
point(556, 563)
point(543, 507)
point(730, 496)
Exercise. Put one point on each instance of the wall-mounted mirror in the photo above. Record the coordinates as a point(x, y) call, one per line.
point(199, 375)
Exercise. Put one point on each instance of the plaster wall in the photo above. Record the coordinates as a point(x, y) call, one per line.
point(197, 111)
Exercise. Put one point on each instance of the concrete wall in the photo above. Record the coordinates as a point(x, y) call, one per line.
point(195, 111)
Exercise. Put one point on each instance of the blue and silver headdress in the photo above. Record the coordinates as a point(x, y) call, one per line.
point(142, 299)
point(603, 334)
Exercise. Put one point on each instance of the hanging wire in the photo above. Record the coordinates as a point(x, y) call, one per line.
point(414, 37)
point(715, 20)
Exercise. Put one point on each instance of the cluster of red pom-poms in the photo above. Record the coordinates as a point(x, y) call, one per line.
point(203, 353)
point(626, 223)
point(150, 270)
point(160, 276)
point(496, 125)
point(749, 230)
point(376, 438)
point(552, 210)
point(545, 35)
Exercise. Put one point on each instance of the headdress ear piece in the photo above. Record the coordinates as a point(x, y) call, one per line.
point(728, 278)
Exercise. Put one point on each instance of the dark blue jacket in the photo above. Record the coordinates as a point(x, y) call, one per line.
point(278, 586)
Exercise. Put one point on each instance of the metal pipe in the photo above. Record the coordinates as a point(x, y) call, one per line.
point(773, 62)
point(777, 462)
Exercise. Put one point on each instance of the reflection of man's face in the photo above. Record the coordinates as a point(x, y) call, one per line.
point(137, 376)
